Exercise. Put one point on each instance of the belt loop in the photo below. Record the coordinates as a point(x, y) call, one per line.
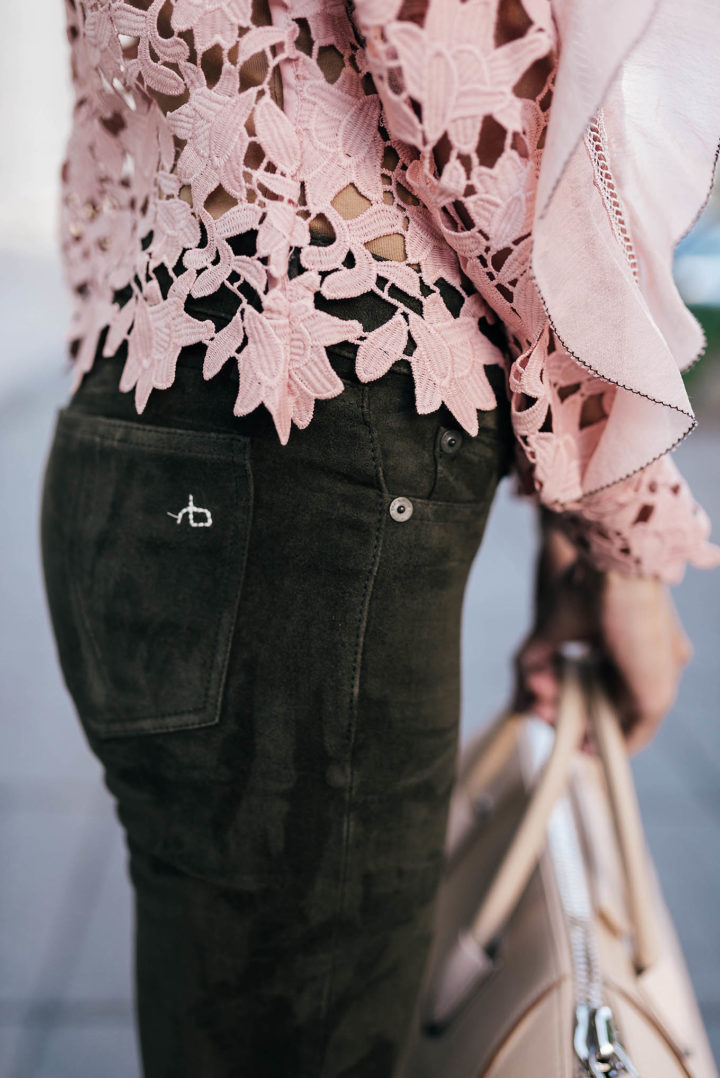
point(374, 440)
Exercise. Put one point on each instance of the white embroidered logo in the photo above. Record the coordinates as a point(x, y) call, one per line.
point(192, 510)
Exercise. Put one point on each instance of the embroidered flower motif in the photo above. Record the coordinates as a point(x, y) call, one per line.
point(353, 236)
point(277, 135)
point(213, 23)
point(501, 208)
point(176, 229)
point(216, 260)
point(212, 126)
point(284, 364)
point(557, 468)
point(436, 260)
point(381, 349)
point(654, 517)
point(99, 41)
point(85, 328)
point(160, 329)
point(453, 69)
point(445, 368)
point(341, 142)
point(279, 230)
point(226, 343)
point(154, 52)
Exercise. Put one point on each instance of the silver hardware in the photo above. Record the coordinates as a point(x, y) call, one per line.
point(596, 1043)
point(450, 442)
point(401, 509)
point(575, 651)
point(597, 1046)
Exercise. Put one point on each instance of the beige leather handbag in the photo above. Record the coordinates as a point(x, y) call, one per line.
point(554, 954)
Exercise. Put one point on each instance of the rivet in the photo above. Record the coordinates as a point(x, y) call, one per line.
point(401, 509)
point(451, 441)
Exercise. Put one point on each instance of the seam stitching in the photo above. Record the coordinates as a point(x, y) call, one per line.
point(352, 720)
point(158, 722)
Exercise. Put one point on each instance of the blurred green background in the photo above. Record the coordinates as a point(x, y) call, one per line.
point(697, 272)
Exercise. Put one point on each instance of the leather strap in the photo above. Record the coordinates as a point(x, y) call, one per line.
point(528, 841)
point(468, 962)
point(628, 825)
point(582, 700)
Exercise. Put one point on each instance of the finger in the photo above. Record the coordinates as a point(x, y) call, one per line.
point(641, 724)
point(642, 697)
point(682, 647)
point(641, 734)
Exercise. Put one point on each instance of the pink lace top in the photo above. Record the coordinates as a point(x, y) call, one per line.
point(542, 156)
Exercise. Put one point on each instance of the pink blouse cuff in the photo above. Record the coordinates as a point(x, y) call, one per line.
point(648, 525)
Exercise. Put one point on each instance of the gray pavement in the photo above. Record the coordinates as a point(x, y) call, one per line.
point(65, 914)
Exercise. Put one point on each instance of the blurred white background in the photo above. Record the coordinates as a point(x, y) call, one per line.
point(34, 121)
point(35, 111)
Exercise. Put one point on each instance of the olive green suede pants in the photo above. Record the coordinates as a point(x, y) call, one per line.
point(262, 643)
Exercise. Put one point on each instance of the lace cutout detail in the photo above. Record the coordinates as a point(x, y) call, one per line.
point(478, 130)
point(208, 142)
point(648, 525)
point(212, 140)
point(596, 141)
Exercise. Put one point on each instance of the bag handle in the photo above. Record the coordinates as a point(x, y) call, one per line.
point(627, 822)
point(528, 842)
point(582, 699)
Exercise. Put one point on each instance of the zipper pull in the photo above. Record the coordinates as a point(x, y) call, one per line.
point(597, 1045)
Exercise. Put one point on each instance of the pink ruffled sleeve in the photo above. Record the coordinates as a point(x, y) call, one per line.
point(564, 147)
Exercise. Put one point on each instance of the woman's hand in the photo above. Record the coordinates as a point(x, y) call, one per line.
point(632, 623)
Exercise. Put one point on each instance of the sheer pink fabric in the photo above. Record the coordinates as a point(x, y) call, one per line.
point(542, 158)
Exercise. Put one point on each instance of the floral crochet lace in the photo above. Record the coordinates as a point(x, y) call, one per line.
point(211, 137)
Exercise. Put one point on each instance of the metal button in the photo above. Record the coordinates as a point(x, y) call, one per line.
point(451, 441)
point(401, 509)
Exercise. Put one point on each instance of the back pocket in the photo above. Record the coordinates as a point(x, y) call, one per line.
point(144, 533)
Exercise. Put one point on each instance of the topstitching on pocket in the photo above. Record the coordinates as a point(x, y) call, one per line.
point(154, 562)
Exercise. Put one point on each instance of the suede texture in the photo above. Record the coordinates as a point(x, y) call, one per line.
point(274, 698)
